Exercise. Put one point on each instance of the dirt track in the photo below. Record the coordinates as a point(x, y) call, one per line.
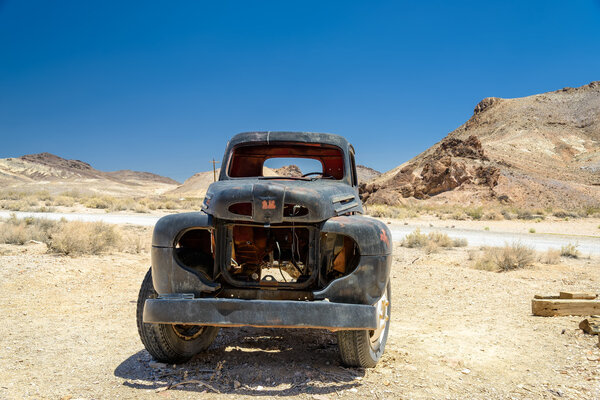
point(456, 333)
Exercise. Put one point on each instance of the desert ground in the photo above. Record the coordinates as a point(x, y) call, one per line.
point(456, 332)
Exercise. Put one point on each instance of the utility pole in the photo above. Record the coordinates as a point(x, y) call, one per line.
point(214, 163)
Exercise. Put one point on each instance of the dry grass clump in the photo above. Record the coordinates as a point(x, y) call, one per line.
point(74, 237)
point(432, 241)
point(384, 211)
point(77, 238)
point(569, 250)
point(551, 256)
point(415, 239)
point(21, 231)
point(475, 212)
point(507, 258)
point(492, 216)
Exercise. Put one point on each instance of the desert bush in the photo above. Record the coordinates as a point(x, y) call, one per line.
point(551, 256)
point(383, 211)
point(492, 216)
point(507, 258)
point(65, 201)
point(440, 239)
point(475, 213)
point(569, 250)
point(592, 211)
point(525, 214)
point(76, 238)
point(506, 214)
point(415, 239)
point(97, 202)
point(458, 216)
point(432, 241)
point(21, 231)
point(459, 242)
point(140, 208)
point(564, 214)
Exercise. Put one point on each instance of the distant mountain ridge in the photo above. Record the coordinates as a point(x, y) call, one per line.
point(50, 172)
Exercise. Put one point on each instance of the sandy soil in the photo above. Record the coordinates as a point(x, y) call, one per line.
point(456, 332)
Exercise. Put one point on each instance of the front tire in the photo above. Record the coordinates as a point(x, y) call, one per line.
point(364, 348)
point(168, 343)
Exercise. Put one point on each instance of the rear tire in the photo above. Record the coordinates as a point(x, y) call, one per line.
point(364, 348)
point(168, 343)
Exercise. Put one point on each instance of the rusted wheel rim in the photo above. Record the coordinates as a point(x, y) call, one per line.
point(188, 332)
point(383, 317)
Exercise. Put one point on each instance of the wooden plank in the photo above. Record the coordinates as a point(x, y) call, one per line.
point(577, 295)
point(561, 307)
point(590, 325)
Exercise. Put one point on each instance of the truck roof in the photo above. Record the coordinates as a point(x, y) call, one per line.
point(279, 136)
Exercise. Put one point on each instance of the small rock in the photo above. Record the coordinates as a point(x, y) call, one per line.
point(466, 371)
point(236, 384)
point(353, 390)
point(259, 387)
point(158, 365)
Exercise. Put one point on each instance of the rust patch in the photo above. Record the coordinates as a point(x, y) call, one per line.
point(268, 205)
point(383, 237)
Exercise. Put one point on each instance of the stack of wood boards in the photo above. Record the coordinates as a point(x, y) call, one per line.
point(566, 303)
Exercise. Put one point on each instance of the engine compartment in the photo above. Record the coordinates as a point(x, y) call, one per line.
point(248, 256)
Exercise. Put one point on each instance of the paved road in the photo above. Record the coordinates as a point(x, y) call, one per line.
point(539, 241)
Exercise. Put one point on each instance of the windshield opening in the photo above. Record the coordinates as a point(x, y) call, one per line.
point(290, 160)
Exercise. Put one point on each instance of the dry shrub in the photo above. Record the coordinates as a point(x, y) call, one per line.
point(569, 250)
point(65, 201)
point(98, 202)
point(507, 258)
point(492, 216)
point(525, 214)
point(384, 211)
point(564, 214)
point(551, 256)
point(76, 238)
point(432, 241)
point(140, 208)
point(440, 239)
point(431, 247)
point(21, 231)
point(168, 205)
point(475, 212)
point(458, 216)
point(415, 239)
point(459, 242)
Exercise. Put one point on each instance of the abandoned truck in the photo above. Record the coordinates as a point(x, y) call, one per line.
point(271, 251)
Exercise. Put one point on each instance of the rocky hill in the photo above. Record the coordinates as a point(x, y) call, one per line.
point(540, 150)
point(366, 174)
point(50, 172)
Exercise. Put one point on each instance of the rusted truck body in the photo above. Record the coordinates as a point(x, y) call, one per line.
point(271, 251)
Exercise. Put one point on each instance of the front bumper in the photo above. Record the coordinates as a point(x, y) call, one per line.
point(260, 313)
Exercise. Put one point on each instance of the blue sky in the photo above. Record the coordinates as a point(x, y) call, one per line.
point(161, 86)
